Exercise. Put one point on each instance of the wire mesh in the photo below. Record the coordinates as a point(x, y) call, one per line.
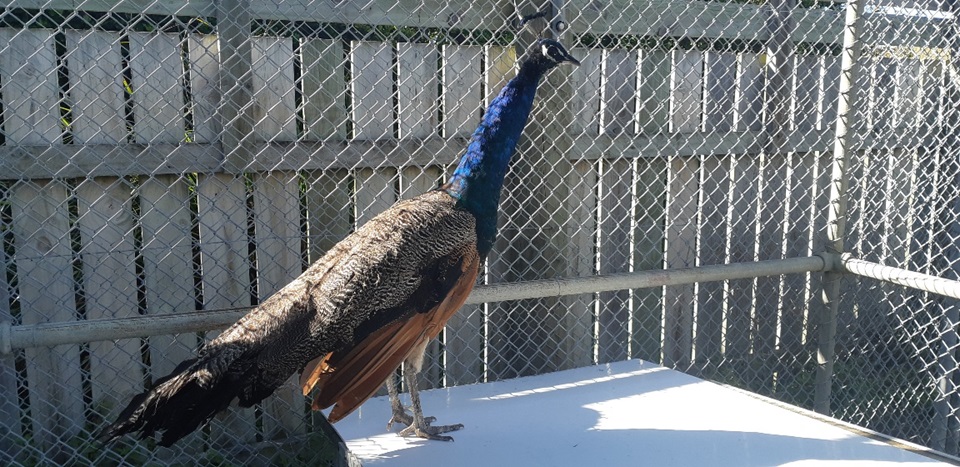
point(199, 155)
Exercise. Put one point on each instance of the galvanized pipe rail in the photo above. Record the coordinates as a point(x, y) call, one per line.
point(75, 332)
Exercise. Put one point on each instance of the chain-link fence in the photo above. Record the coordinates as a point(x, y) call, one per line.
point(173, 157)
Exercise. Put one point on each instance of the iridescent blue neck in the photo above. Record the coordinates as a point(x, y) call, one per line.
point(478, 179)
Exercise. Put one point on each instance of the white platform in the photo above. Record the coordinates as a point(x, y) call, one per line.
point(628, 413)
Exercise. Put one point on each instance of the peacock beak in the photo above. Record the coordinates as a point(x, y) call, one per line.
point(569, 58)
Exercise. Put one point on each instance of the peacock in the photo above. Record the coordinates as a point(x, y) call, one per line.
point(374, 300)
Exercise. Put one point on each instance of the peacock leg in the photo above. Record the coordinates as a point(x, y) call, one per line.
point(421, 426)
point(400, 414)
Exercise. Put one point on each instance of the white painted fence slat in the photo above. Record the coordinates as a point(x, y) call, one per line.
point(28, 76)
point(372, 86)
point(156, 69)
point(105, 224)
point(98, 100)
point(462, 100)
point(324, 89)
point(46, 287)
point(204, 88)
point(417, 90)
point(274, 108)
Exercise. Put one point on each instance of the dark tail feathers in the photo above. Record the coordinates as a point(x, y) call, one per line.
point(175, 406)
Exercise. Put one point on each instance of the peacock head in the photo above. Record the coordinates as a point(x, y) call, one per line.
point(545, 54)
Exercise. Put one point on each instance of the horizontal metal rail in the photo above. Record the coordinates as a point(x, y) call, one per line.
point(75, 332)
point(899, 276)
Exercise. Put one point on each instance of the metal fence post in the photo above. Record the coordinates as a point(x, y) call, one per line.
point(236, 84)
point(837, 208)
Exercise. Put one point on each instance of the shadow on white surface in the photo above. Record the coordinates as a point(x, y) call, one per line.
point(625, 413)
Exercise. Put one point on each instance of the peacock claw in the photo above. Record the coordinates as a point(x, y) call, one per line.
point(430, 432)
point(406, 419)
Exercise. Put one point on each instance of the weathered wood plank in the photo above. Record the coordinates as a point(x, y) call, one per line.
point(156, 68)
point(773, 210)
point(501, 67)
point(417, 90)
point(376, 191)
point(225, 281)
point(97, 97)
point(687, 91)
point(619, 94)
point(689, 18)
point(807, 95)
point(585, 82)
point(884, 90)
point(750, 84)
point(105, 224)
point(28, 84)
point(581, 229)
point(798, 237)
point(462, 99)
point(720, 77)
point(372, 87)
point(681, 225)
point(329, 208)
point(720, 81)
point(42, 243)
point(741, 230)
point(276, 206)
point(656, 69)
point(274, 107)
point(168, 275)
point(203, 52)
point(714, 204)
point(31, 162)
point(906, 113)
point(648, 253)
point(324, 89)
point(650, 210)
point(616, 221)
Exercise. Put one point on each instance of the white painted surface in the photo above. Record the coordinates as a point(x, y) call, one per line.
point(625, 413)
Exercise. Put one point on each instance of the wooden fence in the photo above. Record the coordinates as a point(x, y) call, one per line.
point(130, 186)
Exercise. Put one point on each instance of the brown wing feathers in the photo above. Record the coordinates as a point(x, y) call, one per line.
point(347, 380)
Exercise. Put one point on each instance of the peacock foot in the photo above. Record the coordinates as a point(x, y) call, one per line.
point(430, 432)
point(401, 416)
